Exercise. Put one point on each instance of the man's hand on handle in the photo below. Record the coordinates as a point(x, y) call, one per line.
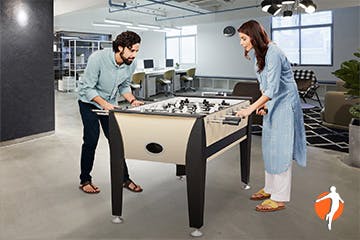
point(108, 106)
point(137, 103)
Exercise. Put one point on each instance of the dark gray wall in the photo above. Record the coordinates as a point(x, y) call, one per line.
point(26, 68)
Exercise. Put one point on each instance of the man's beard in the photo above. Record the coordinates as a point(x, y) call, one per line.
point(125, 60)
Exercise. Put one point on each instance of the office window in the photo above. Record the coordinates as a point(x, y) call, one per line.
point(172, 49)
point(306, 39)
point(187, 50)
point(288, 41)
point(189, 30)
point(181, 45)
point(173, 33)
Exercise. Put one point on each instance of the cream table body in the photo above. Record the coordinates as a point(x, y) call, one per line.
point(186, 131)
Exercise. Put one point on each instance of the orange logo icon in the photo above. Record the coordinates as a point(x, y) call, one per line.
point(329, 206)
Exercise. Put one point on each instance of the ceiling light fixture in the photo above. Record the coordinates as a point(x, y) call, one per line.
point(137, 28)
point(265, 5)
point(104, 25)
point(117, 22)
point(159, 30)
point(274, 9)
point(149, 26)
point(308, 5)
point(287, 6)
point(171, 29)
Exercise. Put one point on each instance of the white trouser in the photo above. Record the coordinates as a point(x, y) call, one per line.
point(279, 185)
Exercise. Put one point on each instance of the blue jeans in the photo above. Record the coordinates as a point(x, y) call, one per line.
point(91, 132)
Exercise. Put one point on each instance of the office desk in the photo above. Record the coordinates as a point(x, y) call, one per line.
point(149, 86)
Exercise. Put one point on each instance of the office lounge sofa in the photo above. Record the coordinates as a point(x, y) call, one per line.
point(335, 113)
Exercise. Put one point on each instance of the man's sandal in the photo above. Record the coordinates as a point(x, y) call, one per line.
point(136, 189)
point(260, 195)
point(94, 188)
point(269, 206)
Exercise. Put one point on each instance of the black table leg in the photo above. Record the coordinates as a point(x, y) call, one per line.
point(195, 174)
point(245, 154)
point(117, 161)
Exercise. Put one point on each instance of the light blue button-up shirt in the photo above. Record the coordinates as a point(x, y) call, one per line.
point(105, 78)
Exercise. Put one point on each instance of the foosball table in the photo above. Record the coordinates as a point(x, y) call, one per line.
point(186, 131)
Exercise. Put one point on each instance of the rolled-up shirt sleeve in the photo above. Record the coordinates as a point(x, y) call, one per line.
point(273, 73)
point(90, 79)
point(125, 86)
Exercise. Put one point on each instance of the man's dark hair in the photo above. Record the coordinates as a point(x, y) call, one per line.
point(126, 39)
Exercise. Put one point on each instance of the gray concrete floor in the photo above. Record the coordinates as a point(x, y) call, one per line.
point(40, 199)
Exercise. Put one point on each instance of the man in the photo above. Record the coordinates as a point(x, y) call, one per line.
point(107, 74)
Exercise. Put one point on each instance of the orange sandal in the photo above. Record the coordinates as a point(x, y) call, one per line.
point(269, 206)
point(261, 195)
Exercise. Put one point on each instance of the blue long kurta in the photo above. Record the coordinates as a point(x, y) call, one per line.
point(283, 134)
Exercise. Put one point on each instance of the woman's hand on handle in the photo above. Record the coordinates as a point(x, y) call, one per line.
point(262, 111)
point(244, 112)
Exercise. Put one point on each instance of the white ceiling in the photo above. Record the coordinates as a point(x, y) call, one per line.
point(80, 14)
point(68, 6)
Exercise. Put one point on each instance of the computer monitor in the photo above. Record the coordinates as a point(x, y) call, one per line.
point(169, 63)
point(148, 63)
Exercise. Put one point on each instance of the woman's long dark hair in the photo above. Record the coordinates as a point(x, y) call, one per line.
point(259, 40)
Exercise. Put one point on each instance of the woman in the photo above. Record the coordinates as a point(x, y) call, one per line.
point(283, 135)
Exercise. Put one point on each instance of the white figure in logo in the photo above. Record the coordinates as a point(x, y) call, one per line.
point(335, 199)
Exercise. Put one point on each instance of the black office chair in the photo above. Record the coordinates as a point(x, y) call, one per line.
point(249, 89)
point(307, 84)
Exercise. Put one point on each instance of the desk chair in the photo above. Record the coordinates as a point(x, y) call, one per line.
point(167, 81)
point(136, 84)
point(307, 84)
point(188, 79)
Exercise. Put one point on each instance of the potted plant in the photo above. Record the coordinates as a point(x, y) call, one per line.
point(349, 72)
